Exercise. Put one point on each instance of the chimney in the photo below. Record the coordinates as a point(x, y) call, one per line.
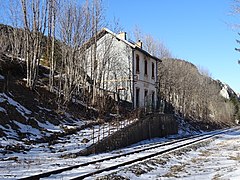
point(122, 35)
point(139, 43)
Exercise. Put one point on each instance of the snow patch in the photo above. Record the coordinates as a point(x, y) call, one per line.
point(3, 110)
point(1, 77)
point(1, 127)
point(45, 109)
point(224, 92)
point(21, 109)
point(23, 128)
point(49, 127)
point(11, 133)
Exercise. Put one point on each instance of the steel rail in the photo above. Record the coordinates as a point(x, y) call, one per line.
point(153, 146)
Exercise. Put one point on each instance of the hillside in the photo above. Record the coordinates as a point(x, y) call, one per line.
point(227, 91)
point(34, 116)
point(11, 40)
point(194, 95)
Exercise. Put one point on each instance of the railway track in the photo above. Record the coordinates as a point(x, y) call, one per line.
point(88, 169)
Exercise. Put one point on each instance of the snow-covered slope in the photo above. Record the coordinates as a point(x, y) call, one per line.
point(226, 91)
point(20, 123)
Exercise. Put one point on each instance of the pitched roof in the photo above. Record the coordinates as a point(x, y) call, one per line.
point(131, 44)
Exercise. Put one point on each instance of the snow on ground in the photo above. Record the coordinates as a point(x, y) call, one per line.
point(35, 133)
point(21, 109)
point(15, 129)
point(219, 159)
point(1, 77)
point(44, 157)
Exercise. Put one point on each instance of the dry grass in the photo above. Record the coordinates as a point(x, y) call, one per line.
point(174, 170)
point(205, 153)
point(216, 177)
point(196, 160)
point(236, 158)
point(178, 168)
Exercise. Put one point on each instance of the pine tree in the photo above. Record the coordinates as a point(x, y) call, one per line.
point(237, 49)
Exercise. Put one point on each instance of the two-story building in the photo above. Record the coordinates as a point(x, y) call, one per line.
point(123, 67)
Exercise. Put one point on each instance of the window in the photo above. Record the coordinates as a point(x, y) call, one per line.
point(153, 71)
point(145, 93)
point(137, 63)
point(145, 67)
point(153, 100)
point(137, 97)
point(145, 97)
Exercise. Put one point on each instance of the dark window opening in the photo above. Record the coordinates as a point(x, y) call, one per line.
point(137, 63)
point(137, 97)
point(153, 71)
point(153, 100)
point(145, 67)
point(145, 97)
point(145, 93)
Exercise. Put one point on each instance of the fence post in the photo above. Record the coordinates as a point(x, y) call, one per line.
point(149, 129)
point(109, 128)
point(117, 122)
point(99, 131)
point(103, 130)
point(93, 134)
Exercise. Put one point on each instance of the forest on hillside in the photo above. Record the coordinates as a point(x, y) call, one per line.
point(193, 94)
point(51, 33)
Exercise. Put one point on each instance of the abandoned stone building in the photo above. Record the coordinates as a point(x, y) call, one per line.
point(124, 68)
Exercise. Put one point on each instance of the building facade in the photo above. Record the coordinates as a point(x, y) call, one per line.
point(123, 68)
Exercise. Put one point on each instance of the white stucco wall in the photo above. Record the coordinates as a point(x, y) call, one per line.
point(145, 82)
point(114, 66)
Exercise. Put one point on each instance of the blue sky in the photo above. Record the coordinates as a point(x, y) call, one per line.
point(199, 31)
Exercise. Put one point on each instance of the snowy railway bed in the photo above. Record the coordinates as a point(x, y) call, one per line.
point(216, 158)
point(91, 168)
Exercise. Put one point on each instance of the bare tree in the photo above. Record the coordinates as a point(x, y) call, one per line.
point(76, 27)
point(236, 11)
point(4, 44)
point(151, 45)
point(12, 36)
point(34, 18)
point(192, 94)
point(52, 12)
point(96, 22)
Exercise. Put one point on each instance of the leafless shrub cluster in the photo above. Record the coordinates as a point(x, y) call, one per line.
point(193, 94)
